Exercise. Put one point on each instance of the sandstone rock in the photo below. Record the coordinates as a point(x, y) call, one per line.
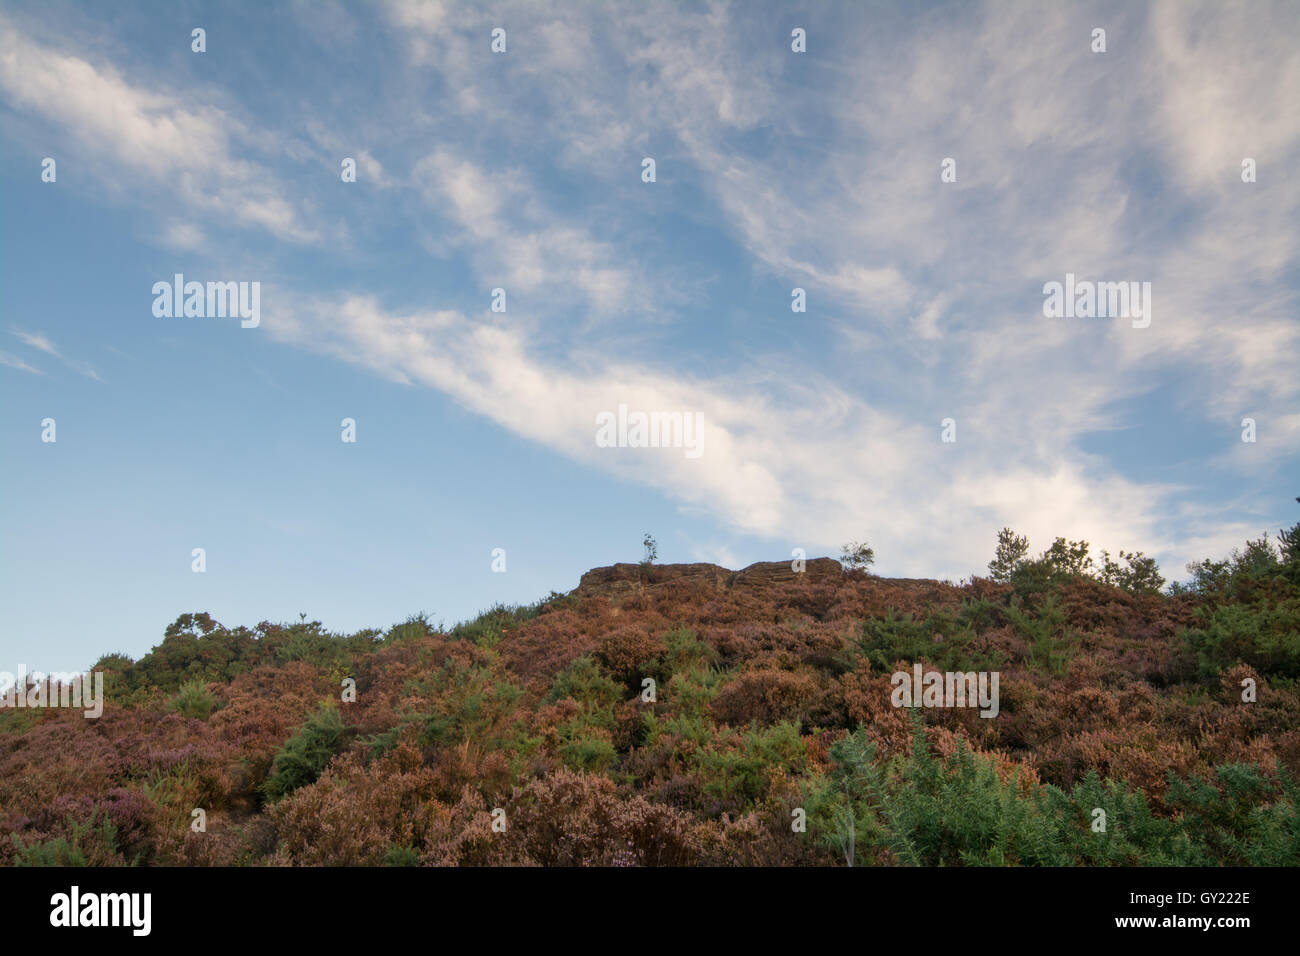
point(613, 580)
point(619, 579)
point(768, 572)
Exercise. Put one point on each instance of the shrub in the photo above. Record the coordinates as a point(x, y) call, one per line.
point(939, 639)
point(305, 754)
point(492, 625)
point(1012, 549)
point(85, 844)
point(857, 555)
point(1139, 575)
point(1262, 635)
point(194, 700)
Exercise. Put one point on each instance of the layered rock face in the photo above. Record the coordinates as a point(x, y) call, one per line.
point(771, 572)
point(627, 578)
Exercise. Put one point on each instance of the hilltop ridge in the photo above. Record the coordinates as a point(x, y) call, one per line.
point(625, 577)
point(682, 714)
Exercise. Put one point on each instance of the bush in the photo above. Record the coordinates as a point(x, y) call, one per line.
point(939, 639)
point(194, 700)
point(304, 755)
point(1262, 635)
point(1139, 575)
point(85, 844)
point(1012, 549)
point(855, 555)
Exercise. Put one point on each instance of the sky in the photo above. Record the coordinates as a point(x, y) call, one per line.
point(920, 171)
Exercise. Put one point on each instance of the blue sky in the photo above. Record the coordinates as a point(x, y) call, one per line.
point(523, 170)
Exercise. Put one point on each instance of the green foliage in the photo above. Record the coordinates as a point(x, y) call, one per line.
point(86, 844)
point(492, 625)
point(1289, 547)
point(1132, 834)
point(939, 639)
point(1258, 560)
point(651, 550)
point(194, 700)
point(685, 651)
point(1012, 549)
point(304, 755)
point(586, 748)
point(469, 703)
point(1246, 569)
point(413, 628)
point(1263, 635)
point(690, 692)
point(1241, 817)
point(195, 647)
point(1208, 577)
point(925, 811)
point(1138, 575)
point(1043, 628)
point(587, 684)
point(737, 766)
point(1068, 558)
point(401, 856)
point(857, 555)
point(980, 615)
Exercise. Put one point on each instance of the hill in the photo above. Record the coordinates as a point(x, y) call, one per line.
point(689, 714)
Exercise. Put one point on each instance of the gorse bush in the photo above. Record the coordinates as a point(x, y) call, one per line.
point(305, 754)
point(194, 700)
point(87, 843)
point(491, 625)
point(927, 811)
point(923, 811)
point(1265, 636)
point(941, 639)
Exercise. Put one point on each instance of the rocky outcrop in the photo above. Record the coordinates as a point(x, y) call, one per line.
point(618, 579)
point(774, 572)
point(626, 578)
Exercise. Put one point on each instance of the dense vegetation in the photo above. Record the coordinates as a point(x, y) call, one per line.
point(770, 739)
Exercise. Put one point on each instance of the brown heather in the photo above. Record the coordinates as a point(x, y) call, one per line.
point(760, 675)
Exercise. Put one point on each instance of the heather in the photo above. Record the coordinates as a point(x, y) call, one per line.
point(691, 715)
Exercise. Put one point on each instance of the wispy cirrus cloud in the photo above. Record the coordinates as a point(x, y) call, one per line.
point(799, 463)
point(37, 341)
point(42, 344)
point(197, 153)
point(512, 236)
point(13, 361)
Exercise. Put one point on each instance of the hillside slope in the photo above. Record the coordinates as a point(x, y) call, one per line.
point(527, 737)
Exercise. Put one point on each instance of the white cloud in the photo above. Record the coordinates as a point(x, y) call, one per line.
point(158, 137)
point(40, 342)
point(13, 361)
point(518, 243)
point(814, 466)
point(37, 341)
